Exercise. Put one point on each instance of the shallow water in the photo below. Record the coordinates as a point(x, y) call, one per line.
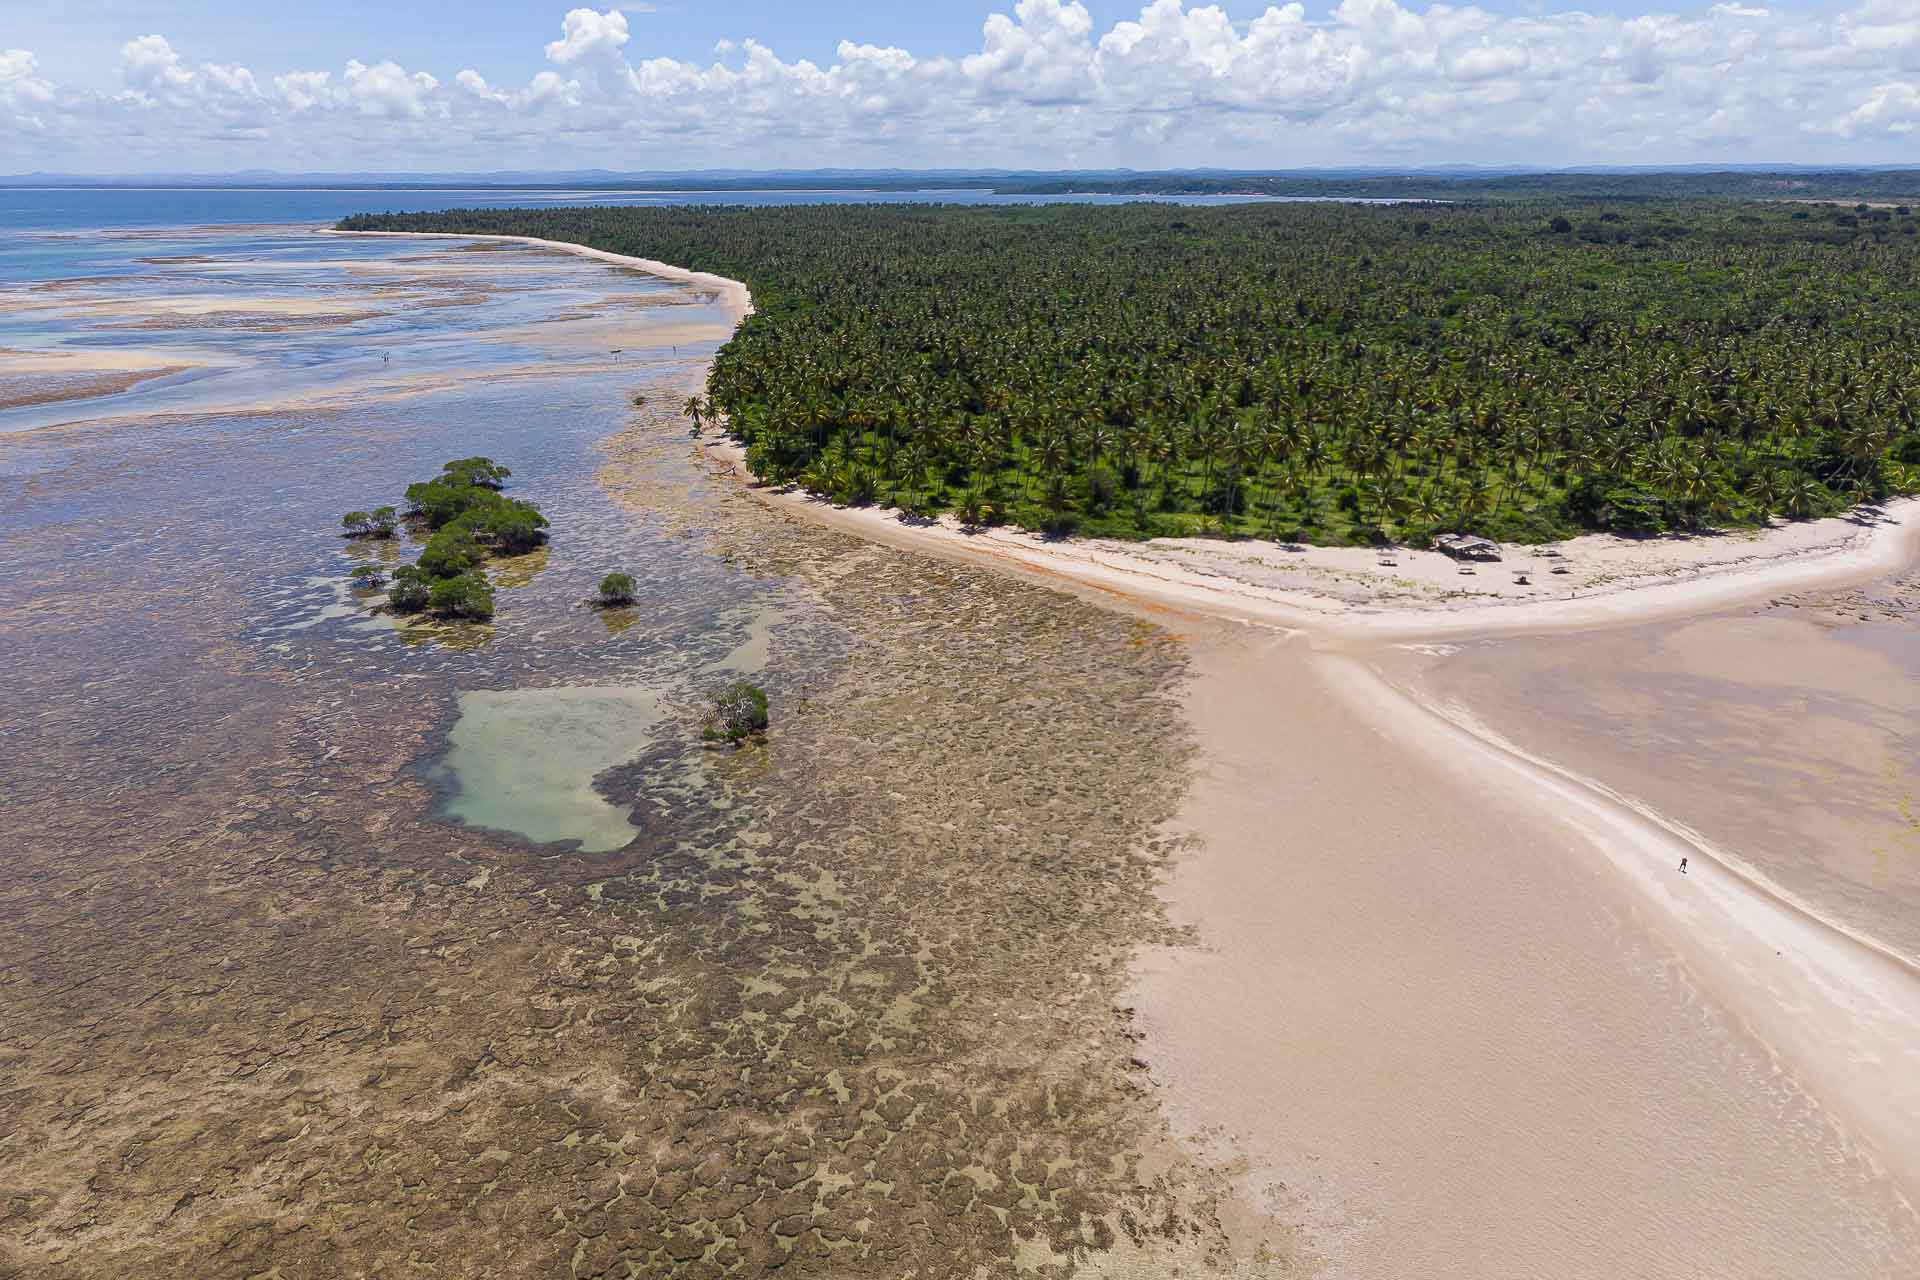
point(524, 761)
point(273, 318)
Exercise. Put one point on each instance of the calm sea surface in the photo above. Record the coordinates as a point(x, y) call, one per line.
point(91, 208)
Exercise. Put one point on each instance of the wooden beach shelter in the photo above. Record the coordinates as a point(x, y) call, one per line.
point(1466, 546)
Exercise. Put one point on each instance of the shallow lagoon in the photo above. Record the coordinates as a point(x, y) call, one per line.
point(524, 761)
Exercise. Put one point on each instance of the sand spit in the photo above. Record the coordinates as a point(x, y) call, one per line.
point(54, 377)
point(14, 362)
point(732, 293)
point(1840, 1006)
point(55, 388)
point(1429, 1015)
point(1782, 736)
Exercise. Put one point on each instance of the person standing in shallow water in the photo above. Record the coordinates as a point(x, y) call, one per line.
point(1683, 866)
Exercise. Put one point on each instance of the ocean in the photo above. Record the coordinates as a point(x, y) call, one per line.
point(31, 209)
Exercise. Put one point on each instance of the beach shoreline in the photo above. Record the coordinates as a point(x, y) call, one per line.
point(1625, 581)
point(732, 293)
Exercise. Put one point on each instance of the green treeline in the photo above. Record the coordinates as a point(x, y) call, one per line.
point(1332, 373)
point(1744, 184)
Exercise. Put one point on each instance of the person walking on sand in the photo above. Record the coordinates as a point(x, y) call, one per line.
point(1683, 866)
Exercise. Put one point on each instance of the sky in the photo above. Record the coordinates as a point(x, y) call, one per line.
point(123, 86)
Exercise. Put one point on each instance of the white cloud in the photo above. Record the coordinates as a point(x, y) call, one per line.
point(1890, 108)
point(387, 90)
point(1363, 80)
point(24, 97)
point(589, 36)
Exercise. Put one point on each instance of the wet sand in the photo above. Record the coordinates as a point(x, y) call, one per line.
point(1787, 744)
point(1437, 1027)
point(21, 390)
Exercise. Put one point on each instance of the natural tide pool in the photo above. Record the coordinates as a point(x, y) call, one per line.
point(523, 761)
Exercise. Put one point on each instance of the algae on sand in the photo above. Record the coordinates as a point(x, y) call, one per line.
point(524, 761)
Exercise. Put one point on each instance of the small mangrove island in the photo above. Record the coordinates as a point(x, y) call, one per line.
point(467, 520)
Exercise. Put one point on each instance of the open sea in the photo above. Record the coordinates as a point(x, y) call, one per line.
point(97, 208)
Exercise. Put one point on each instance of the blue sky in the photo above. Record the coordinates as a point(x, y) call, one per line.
point(506, 35)
point(1044, 83)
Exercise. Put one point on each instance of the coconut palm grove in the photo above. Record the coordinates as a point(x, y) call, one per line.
point(1315, 372)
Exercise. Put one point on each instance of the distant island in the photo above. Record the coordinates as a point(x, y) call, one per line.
point(1521, 369)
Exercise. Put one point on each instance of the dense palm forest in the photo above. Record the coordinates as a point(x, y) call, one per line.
point(1307, 371)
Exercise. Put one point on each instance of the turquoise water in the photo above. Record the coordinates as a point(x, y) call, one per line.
point(524, 761)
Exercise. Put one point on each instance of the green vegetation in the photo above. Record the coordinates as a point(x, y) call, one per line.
point(482, 472)
point(464, 595)
point(739, 712)
point(1742, 184)
point(1523, 370)
point(616, 589)
point(410, 590)
point(381, 522)
point(368, 577)
point(470, 520)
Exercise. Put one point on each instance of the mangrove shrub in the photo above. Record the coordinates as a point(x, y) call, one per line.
point(739, 711)
point(616, 589)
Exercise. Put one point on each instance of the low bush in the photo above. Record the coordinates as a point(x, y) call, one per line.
point(616, 589)
point(739, 712)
